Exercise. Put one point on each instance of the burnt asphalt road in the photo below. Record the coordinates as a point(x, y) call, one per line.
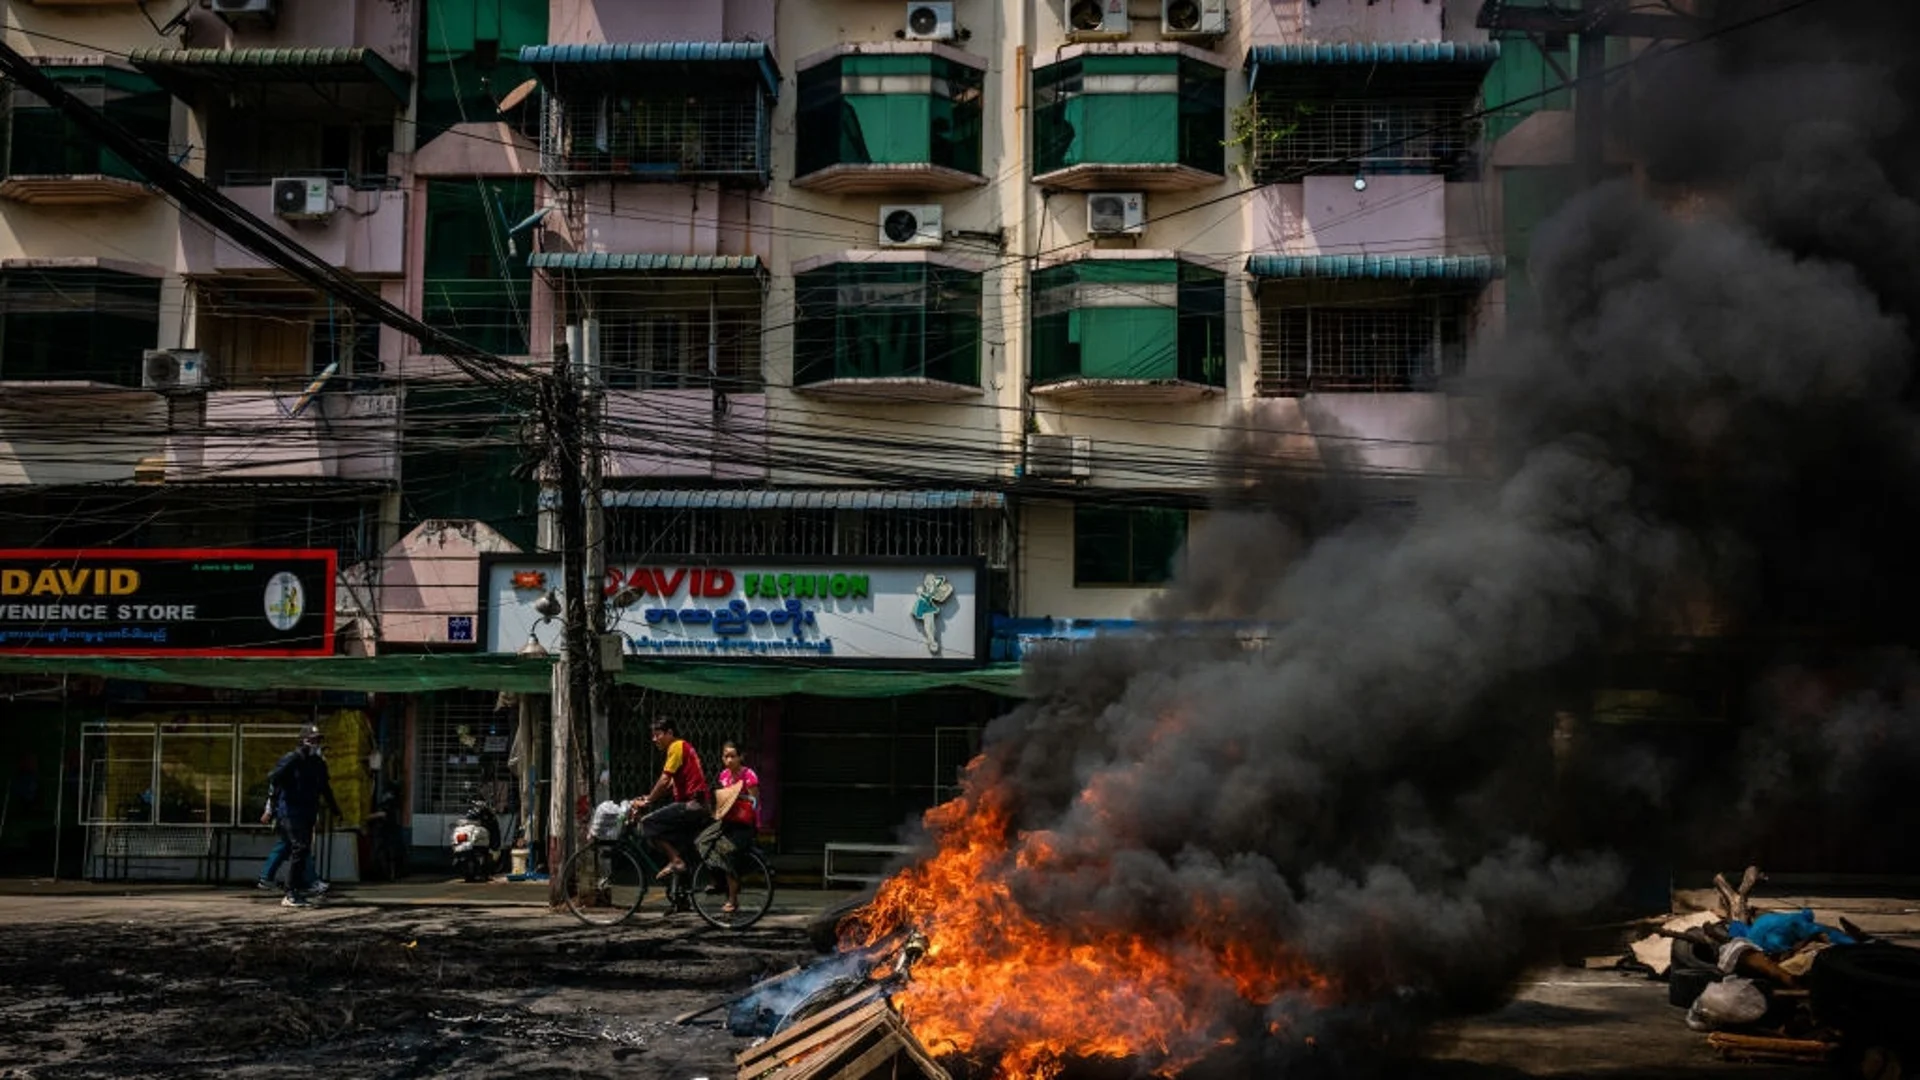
point(483, 981)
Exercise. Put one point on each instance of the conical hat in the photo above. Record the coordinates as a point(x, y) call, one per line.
point(724, 799)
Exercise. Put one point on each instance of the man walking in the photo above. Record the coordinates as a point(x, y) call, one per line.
point(300, 783)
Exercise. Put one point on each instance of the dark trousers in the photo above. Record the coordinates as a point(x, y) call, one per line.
point(298, 836)
point(677, 823)
point(282, 848)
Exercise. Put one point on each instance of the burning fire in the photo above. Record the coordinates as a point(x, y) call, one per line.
point(1000, 982)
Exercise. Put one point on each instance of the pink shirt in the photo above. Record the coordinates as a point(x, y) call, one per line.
point(751, 794)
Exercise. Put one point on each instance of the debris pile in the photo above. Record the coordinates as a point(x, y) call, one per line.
point(1782, 987)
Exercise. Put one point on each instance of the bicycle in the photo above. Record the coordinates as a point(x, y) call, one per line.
point(606, 881)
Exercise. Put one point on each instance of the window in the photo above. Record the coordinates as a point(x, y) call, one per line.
point(263, 333)
point(76, 325)
point(892, 110)
point(659, 135)
point(1125, 319)
point(474, 289)
point(1408, 344)
point(471, 62)
point(43, 142)
point(1301, 137)
point(677, 332)
point(1133, 546)
point(1157, 109)
point(887, 321)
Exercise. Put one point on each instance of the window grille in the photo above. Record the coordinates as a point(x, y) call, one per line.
point(657, 137)
point(678, 333)
point(462, 748)
point(1374, 347)
point(668, 533)
point(1296, 137)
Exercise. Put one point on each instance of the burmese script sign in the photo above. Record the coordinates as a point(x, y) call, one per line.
point(920, 611)
point(172, 602)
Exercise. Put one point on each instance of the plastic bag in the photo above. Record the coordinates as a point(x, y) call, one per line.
point(608, 819)
point(1727, 1003)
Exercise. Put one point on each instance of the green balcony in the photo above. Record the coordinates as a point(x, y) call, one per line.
point(900, 331)
point(1153, 121)
point(886, 122)
point(50, 161)
point(1129, 330)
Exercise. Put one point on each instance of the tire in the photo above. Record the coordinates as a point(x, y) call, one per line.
point(756, 892)
point(604, 884)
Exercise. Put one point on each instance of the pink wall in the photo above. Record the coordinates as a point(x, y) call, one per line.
point(650, 20)
point(1273, 21)
point(365, 235)
point(250, 435)
point(386, 26)
point(672, 433)
point(1413, 430)
point(433, 572)
point(1396, 215)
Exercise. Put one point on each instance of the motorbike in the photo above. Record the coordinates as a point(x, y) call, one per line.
point(479, 845)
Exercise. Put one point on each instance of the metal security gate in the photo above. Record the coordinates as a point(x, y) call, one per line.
point(462, 748)
point(706, 722)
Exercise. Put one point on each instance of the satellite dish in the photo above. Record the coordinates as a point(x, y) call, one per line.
point(518, 94)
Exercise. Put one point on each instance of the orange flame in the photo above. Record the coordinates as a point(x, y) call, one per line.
point(1001, 982)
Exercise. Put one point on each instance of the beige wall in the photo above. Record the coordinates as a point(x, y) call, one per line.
point(1045, 583)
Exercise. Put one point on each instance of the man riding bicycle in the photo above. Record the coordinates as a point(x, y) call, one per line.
point(674, 824)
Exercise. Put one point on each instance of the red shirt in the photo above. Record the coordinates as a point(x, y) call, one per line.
point(683, 766)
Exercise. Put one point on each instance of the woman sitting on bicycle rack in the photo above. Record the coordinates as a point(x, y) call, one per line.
point(738, 824)
point(676, 823)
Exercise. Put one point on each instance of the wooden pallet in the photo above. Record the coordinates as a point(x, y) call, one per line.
point(860, 1036)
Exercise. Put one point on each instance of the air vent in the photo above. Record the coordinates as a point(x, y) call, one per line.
point(1059, 457)
point(1116, 213)
point(929, 21)
point(1193, 18)
point(910, 226)
point(1089, 20)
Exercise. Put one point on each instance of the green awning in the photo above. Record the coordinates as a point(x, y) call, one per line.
point(1462, 268)
point(645, 262)
point(609, 65)
point(188, 72)
point(1377, 68)
point(487, 671)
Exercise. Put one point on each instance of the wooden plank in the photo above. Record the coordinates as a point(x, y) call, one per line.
point(854, 1001)
point(861, 1055)
point(798, 1039)
point(1728, 1040)
point(812, 1059)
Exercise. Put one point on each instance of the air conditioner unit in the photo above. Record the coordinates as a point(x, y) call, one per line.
point(910, 226)
point(1193, 18)
point(1092, 20)
point(929, 21)
point(302, 198)
point(173, 369)
point(1059, 457)
point(1116, 213)
point(237, 11)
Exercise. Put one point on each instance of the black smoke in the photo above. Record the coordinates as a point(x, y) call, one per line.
point(1702, 484)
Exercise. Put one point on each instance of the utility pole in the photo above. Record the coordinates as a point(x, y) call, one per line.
point(573, 671)
point(583, 342)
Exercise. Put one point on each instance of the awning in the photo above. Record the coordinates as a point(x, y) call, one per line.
point(1376, 67)
point(822, 499)
point(1465, 268)
point(484, 671)
point(692, 64)
point(185, 73)
point(645, 263)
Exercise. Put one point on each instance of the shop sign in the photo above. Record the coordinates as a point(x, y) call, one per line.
point(830, 611)
point(172, 602)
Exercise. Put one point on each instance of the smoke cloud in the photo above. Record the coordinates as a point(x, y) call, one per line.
point(1705, 465)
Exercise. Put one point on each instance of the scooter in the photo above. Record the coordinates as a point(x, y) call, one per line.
point(478, 844)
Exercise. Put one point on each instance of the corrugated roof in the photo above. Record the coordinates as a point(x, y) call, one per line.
point(1378, 267)
point(804, 499)
point(181, 71)
point(1458, 65)
point(645, 262)
point(752, 56)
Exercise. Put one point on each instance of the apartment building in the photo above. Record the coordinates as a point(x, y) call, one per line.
point(952, 299)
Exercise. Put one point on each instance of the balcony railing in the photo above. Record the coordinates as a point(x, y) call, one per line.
point(658, 137)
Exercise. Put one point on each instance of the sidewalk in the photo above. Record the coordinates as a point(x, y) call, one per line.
point(416, 891)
